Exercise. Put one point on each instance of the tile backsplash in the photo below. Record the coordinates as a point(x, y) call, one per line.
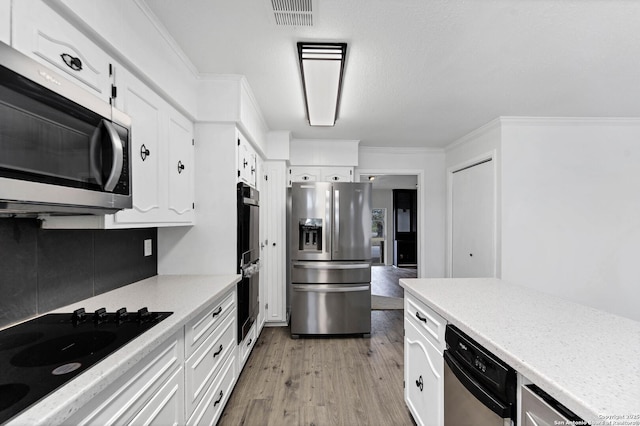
point(41, 270)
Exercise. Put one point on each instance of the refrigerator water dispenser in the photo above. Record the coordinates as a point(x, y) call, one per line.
point(310, 234)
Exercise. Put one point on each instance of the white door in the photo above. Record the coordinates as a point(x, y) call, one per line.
point(473, 221)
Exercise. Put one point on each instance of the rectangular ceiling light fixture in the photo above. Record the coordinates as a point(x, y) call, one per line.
point(322, 66)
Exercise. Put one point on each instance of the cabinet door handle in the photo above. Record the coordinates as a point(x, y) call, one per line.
point(72, 62)
point(244, 163)
point(144, 152)
point(180, 167)
point(218, 353)
point(419, 383)
point(218, 400)
point(421, 318)
point(217, 312)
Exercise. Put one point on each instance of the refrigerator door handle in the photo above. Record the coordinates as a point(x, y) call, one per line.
point(315, 265)
point(336, 221)
point(323, 289)
point(326, 236)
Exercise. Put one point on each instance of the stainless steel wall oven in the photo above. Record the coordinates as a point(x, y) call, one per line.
point(62, 150)
point(248, 257)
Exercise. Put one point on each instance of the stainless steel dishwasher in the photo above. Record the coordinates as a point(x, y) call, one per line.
point(540, 409)
point(479, 388)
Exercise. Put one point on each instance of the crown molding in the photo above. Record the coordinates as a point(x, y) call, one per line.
point(384, 150)
point(569, 121)
point(490, 126)
point(166, 36)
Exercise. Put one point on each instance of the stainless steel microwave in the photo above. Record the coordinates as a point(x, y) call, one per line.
point(62, 150)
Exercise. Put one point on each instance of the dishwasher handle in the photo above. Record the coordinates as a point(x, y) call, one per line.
point(476, 388)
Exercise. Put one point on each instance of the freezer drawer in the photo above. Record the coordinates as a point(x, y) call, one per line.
point(330, 272)
point(330, 309)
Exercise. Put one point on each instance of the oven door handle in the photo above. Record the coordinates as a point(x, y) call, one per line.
point(476, 388)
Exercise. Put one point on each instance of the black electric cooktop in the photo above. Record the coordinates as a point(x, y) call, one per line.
point(40, 355)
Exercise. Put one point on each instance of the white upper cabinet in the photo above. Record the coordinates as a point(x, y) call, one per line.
point(247, 161)
point(162, 158)
point(319, 174)
point(5, 21)
point(180, 199)
point(45, 36)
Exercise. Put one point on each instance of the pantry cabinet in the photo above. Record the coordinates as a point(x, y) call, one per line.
point(424, 364)
point(40, 33)
point(274, 254)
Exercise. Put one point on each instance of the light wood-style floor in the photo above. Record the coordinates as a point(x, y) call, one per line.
point(384, 280)
point(323, 381)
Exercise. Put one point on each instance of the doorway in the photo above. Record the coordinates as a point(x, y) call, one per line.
point(387, 219)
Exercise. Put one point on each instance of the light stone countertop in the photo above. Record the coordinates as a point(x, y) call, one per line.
point(184, 295)
point(587, 359)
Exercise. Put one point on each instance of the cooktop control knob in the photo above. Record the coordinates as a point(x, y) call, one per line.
point(100, 316)
point(144, 315)
point(121, 315)
point(78, 316)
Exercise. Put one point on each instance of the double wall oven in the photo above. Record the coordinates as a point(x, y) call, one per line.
point(248, 257)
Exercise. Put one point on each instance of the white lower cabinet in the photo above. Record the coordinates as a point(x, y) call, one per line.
point(167, 405)
point(135, 394)
point(423, 363)
point(210, 408)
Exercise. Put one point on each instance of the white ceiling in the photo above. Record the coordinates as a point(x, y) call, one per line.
point(425, 72)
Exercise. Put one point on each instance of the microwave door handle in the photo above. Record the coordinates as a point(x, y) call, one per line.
point(118, 157)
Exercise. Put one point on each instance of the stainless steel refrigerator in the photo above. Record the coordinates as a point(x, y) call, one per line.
point(330, 258)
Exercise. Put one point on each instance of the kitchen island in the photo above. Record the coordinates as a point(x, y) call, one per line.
point(587, 359)
point(187, 296)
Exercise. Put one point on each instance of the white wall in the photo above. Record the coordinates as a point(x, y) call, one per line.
point(571, 209)
point(428, 165)
point(209, 247)
point(323, 152)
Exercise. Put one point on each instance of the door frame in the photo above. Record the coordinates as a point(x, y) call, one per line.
point(497, 249)
point(419, 174)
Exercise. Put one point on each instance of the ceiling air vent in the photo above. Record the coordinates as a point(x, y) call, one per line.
point(293, 13)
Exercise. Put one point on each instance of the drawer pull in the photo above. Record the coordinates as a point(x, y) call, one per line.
point(218, 353)
point(218, 400)
point(421, 318)
point(419, 383)
point(218, 312)
point(249, 343)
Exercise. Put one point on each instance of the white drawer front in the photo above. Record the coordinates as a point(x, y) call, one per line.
point(247, 344)
point(205, 362)
point(199, 328)
point(426, 320)
point(130, 393)
point(167, 405)
point(209, 410)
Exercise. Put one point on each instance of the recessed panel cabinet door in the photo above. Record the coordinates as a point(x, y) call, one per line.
point(144, 108)
point(473, 222)
point(424, 378)
point(180, 169)
point(45, 36)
